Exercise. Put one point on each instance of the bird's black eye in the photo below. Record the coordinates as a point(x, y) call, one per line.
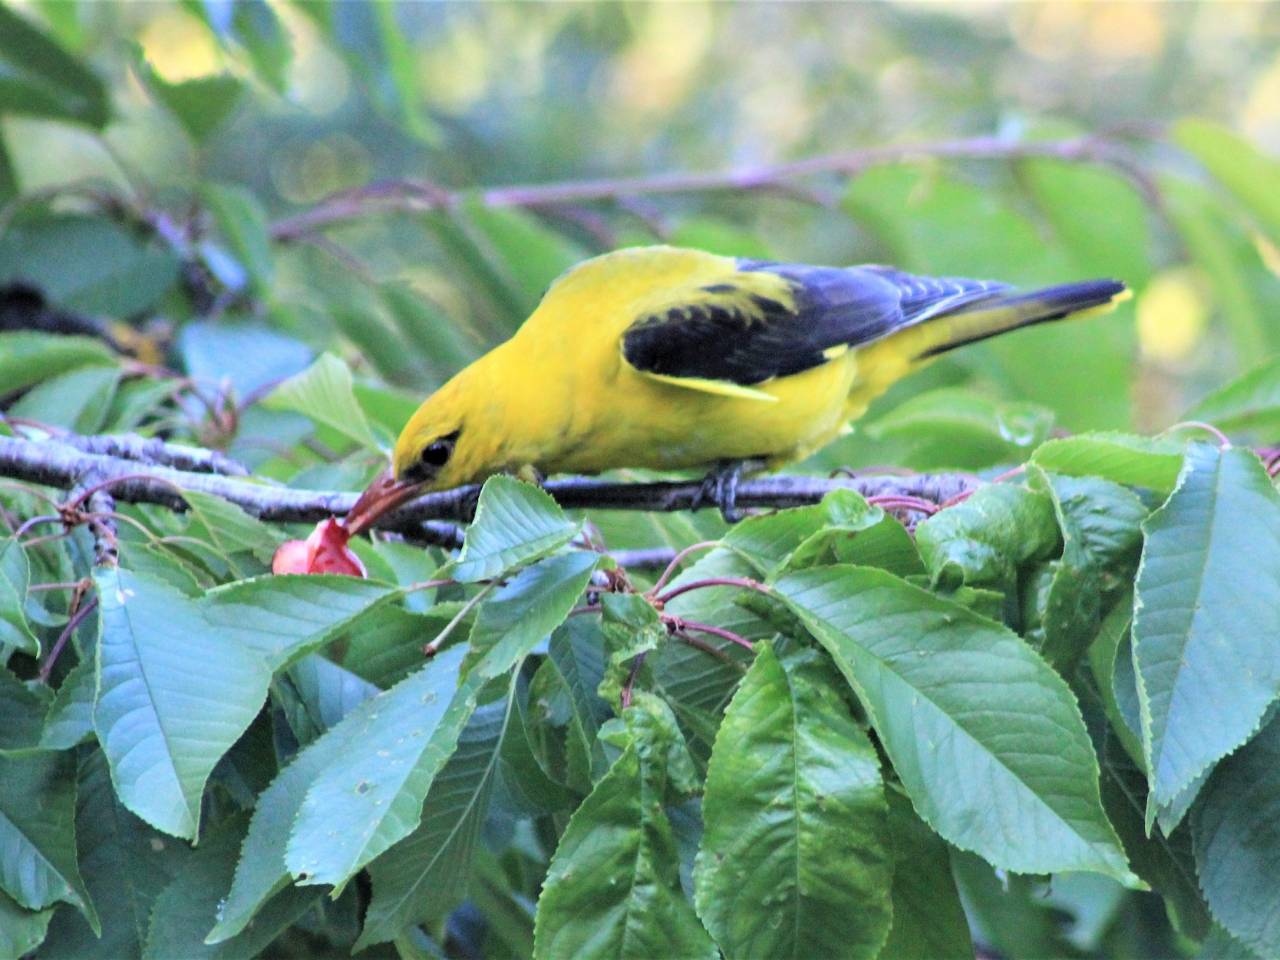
point(437, 453)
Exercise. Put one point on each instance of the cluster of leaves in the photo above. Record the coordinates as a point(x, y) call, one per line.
point(1068, 673)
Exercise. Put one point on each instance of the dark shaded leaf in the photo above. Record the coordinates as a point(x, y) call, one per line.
point(793, 860)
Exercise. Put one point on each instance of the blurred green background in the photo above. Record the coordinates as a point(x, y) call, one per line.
point(160, 155)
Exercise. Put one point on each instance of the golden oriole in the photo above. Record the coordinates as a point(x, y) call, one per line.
point(671, 358)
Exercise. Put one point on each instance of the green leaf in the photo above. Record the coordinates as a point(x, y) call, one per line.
point(957, 428)
point(37, 833)
point(1250, 402)
point(324, 393)
point(1118, 245)
point(254, 27)
point(613, 887)
point(1237, 841)
point(1247, 173)
point(400, 61)
point(527, 608)
point(1102, 539)
point(928, 919)
point(983, 541)
point(15, 578)
point(365, 801)
point(201, 105)
point(1010, 912)
point(925, 669)
point(21, 931)
point(529, 254)
point(228, 528)
point(42, 79)
point(575, 664)
point(125, 865)
point(88, 264)
point(185, 908)
point(1164, 861)
point(1207, 604)
point(315, 693)
point(527, 783)
point(1121, 457)
point(385, 646)
point(631, 631)
point(28, 358)
point(250, 356)
point(515, 523)
point(1215, 243)
point(78, 400)
point(261, 872)
point(440, 341)
point(423, 877)
point(243, 224)
point(793, 860)
point(20, 715)
point(1220, 945)
point(802, 536)
point(282, 618)
point(1111, 660)
point(173, 696)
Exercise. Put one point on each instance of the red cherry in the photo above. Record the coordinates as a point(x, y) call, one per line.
point(325, 551)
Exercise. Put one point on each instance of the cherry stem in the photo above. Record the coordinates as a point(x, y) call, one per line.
point(892, 501)
point(69, 585)
point(636, 664)
point(1223, 442)
point(677, 560)
point(34, 522)
point(743, 582)
point(430, 649)
point(720, 632)
point(77, 618)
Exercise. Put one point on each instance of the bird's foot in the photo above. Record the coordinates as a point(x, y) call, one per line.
point(720, 487)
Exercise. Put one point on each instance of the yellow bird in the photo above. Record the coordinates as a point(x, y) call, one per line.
point(672, 358)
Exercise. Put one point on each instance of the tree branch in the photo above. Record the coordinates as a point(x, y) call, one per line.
point(422, 195)
point(55, 463)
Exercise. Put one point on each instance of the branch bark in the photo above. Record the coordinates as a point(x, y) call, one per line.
point(55, 463)
point(422, 195)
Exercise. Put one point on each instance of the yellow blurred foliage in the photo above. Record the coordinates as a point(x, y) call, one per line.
point(657, 70)
point(178, 47)
point(1172, 314)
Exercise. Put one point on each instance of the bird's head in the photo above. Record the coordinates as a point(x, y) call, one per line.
point(435, 451)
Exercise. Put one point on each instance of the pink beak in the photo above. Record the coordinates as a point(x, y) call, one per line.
point(383, 495)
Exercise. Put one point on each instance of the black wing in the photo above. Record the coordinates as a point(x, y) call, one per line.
point(727, 331)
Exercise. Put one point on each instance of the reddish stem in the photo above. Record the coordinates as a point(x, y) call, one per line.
point(715, 582)
point(631, 679)
point(892, 501)
point(720, 632)
point(77, 618)
point(1223, 442)
point(677, 560)
point(33, 522)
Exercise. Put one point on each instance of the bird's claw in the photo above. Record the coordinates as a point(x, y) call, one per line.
point(720, 487)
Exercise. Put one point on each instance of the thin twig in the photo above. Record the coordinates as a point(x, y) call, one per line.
point(668, 573)
point(743, 582)
point(77, 618)
point(720, 632)
point(636, 664)
point(432, 648)
point(419, 195)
